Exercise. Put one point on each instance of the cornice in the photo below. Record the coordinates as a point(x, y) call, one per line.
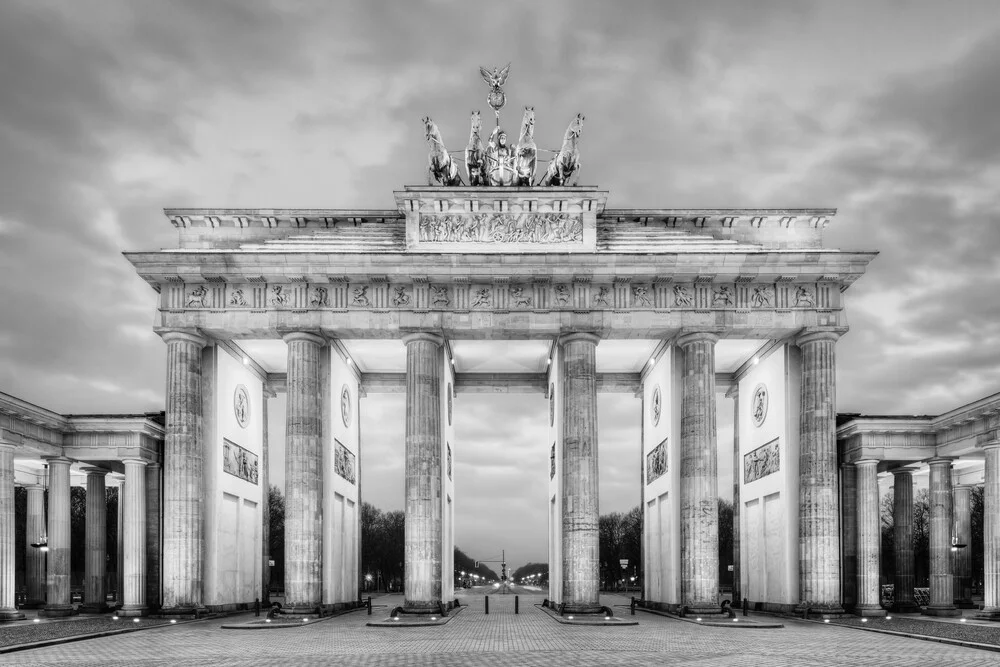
point(31, 413)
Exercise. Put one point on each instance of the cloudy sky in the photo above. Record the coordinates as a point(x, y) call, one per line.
point(111, 111)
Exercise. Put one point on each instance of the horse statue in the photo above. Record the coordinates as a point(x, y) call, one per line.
point(566, 163)
point(440, 166)
point(475, 154)
point(527, 152)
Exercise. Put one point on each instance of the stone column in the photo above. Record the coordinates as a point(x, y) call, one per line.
point(902, 539)
point(8, 610)
point(991, 533)
point(869, 539)
point(422, 567)
point(940, 499)
point(120, 546)
point(95, 568)
point(183, 476)
point(153, 535)
point(962, 558)
point(134, 539)
point(34, 558)
point(849, 533)
point(58, 602)
point(265, 481)
point(734, 393)
point(580, 538)
point(819, 516)
point(699, 512)
point(304, 475)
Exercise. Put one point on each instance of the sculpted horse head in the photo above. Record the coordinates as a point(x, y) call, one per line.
point(566, 163)
point(527, 152)
point(440, 166)
point(475, 153)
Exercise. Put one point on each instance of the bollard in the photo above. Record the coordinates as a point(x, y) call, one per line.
point(369, 605)
point(746, 606)
point(632, 606)
point(487, 604)
point(515, 604)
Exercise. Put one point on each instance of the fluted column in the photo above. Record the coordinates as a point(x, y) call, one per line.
point(134, 539)
point(734, 393)
point(962, 558)
point(154, 535)
point(902, 540)
point(819, 530)
point(580, 539)
point(422, 566)
point(941, 518)
point(58, 602)
point(849, 534)
point(34, 558)
point(183, 475)
point(991, 533)
point(869, 539)
point(95, 565)
point(120, 546)
point(304, 474)
point(8, 611)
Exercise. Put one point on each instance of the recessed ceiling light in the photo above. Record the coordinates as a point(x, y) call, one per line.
point(246, 360)
point(756, 360)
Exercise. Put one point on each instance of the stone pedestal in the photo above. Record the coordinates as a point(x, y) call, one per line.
point(869, 540)
point(699, 512)
point(304, 475)
point(819, 529)
point(183, 476)
point(902, 518)
point(991, 533)
point(961, 559)
point(580, 540)
point(849, 534)
point(941, 523)
point(34, 558)
point(422, 567)
point(8, 612)
point(134, 539)
point(95, 568)
point(58, 601)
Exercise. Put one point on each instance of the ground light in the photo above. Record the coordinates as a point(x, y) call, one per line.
point(864, 620)
point(174, 620)
point(826, 620)
point(135, 620)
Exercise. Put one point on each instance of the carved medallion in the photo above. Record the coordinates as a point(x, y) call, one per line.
point(758, 404)
point(345, 405)
point(552, 405)
point(241, 405)
point(657, 406)
point(449, 404)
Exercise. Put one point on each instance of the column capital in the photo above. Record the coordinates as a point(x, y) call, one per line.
point(940, 460)
point(899, 472)
point(307, 336)
point(34, 487)
point(57, 459)
point(989, 444)
point(188, 335)
point(696, 337)
point(94, 470)
point(4, 446)
point(139, 462)
point(816, 335)
point(422, 335)
point(866, 462)
point(585, 336)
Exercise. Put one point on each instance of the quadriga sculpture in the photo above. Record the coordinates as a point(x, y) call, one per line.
point(440, 166)
point(566, 163)
point(475, 154)
point(527, 152)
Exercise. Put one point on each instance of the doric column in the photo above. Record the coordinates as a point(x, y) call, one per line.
point(734, 393)
point(304, 474)
point(580, 539)
point(183, 475)
point(153, 535)
point(962, 558)
point(698, 475)
point(869, 539)
point(902, 539)
point(991, 533)
point(120, 546)
point(849, 534)
point(58, 602)
point(422, 568)
point(95, 567)
point(8, 610)
point(819, 532)
point(134, 539)
point(34, 558)
point(265, 481)
point(941, 517)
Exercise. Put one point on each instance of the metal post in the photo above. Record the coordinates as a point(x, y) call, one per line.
point(515, 604)
point(487, 604)
point(369, 605)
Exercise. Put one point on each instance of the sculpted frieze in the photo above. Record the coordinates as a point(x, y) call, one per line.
point(761, 462)
point(501, 228)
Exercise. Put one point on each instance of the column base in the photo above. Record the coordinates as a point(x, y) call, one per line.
point(301, 610)
point(583, 609)
point(434, 608)
point(943, 610)
point(183, 611)
point(33, 604)
point(11, 615)
point(991, 614)
point(57, 611)
point(130, 610)
point(869, 611)
point(966, 604)
point(701, 609)
point(908, 607)
point(94, 608)
point(821, 610)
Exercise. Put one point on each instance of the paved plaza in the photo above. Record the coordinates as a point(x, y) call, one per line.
point(502, 638)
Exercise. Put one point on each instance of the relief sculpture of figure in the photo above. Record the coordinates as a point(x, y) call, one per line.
point(520, 298)
point(482, 298)
point(499, 159)
point(197, 297)
point(682, 296)
point(475, 154)
point(640, 296)
point(562, 294)
point(566, 163)
point(804, 297)
point(527, 152)
point(440, 167)
point(361, 296)
point(238, 298)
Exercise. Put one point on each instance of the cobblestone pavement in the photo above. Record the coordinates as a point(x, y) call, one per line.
point(502, 638)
